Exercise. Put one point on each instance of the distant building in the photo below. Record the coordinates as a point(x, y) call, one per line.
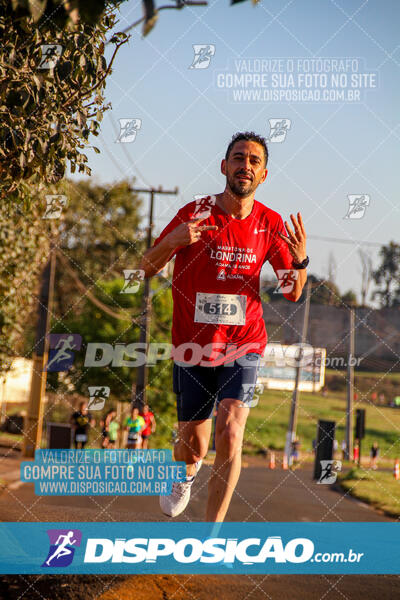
point(279, 370)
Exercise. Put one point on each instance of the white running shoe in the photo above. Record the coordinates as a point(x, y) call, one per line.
point(177, 501)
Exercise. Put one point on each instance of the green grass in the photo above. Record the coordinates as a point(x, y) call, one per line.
point(392, 375)
point(375, 374)
point(365, 382)
point(268, 421)
point(378, 488)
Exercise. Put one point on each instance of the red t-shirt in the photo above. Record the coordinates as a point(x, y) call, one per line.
point(218, 315)
point(147, 420)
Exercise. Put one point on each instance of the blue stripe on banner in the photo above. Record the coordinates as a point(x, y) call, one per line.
point(200, 548)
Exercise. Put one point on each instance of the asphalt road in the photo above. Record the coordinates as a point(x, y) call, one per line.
point(261, 495)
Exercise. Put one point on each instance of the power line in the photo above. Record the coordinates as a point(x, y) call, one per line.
point(128, 156)
point(124, 315)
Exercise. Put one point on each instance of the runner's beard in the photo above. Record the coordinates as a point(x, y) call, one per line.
point(242, 189)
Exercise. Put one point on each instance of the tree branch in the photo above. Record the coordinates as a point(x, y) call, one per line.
point(88, 92)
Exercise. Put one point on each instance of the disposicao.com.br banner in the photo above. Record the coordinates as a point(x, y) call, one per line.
point(204, 548)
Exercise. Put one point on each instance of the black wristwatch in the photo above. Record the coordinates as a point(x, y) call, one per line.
point(301, 265)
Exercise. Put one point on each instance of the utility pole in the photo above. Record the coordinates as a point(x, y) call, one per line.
point(350, 390)
point(291, 432)
point(34, 419)
point(139, 389)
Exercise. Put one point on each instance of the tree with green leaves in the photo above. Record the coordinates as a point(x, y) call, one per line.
point(99, 234)
point(349, 299)
point(387, 276)
point(64, 13)
point(95, 238)
point(52, 82)
point(24, 247)
point(52, 78)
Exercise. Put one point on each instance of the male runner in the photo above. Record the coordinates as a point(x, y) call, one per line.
point(81, 421)
point(218, 332)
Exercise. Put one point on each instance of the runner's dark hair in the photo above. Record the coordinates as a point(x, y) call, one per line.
point(249, 136)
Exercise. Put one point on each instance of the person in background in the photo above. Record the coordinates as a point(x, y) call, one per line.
point(113, 428)
point(106, 427)
point(134, 424)
point(150, 428)
point(295, 449)
point(374, 455)
point(343, 446)
point(81, 421)
point(356, 451)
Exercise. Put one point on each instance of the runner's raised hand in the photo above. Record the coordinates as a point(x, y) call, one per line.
point(296, 240)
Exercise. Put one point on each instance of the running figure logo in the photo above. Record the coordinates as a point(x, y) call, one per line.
point(329, 470)
point(204, 206)
point(50, 56)
point(278, 129)
point(251, 393)
point(54, 206)
point(62, 547)
point(286, 279)
point(357, 206)
point(202, 56)
point(128, 129)
point(133, 279)
point(98, 395)
point(62, 351)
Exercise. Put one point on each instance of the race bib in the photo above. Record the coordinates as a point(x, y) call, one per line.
point(224, 309)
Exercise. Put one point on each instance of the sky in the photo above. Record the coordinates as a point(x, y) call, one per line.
point(339, 129)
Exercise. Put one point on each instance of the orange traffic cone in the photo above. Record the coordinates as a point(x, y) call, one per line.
point(284, 462)
point(396, 470)
point(272, 460)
